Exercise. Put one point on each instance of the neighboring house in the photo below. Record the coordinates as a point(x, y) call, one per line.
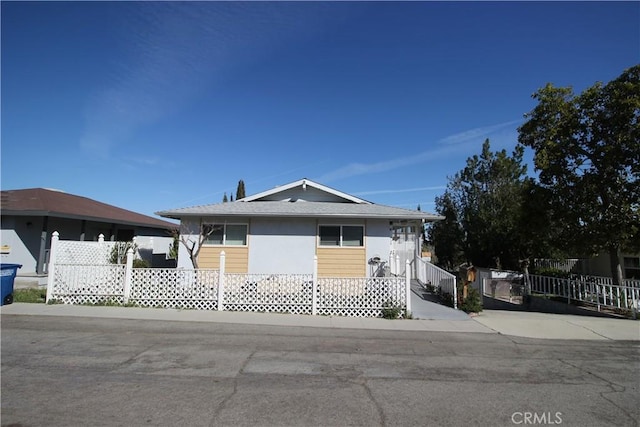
point(599, 265)
point(30, 216)
point(280, 231)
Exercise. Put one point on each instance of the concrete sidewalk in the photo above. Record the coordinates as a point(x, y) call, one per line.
point(521, 324)
point(559, 326)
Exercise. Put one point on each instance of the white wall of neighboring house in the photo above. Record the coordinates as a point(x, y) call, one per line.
point(154, 249)
point(14, 251)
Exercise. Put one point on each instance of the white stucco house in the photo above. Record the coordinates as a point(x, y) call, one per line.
point(281, 230)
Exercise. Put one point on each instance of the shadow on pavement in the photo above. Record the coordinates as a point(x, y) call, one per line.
point(538, 304)
point(533, 304)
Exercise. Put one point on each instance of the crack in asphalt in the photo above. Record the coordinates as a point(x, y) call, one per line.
point(222, 404)
point(381, 414)
point(615, 388)
point(588, 329)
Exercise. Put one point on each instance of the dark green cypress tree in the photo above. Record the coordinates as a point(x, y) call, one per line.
point(240, 193)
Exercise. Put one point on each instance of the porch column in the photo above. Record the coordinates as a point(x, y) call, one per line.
point(83, 229)
point(42, 253)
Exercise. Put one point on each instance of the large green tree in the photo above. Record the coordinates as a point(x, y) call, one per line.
point(447, 236)
point(485, 210)
point(587, 152)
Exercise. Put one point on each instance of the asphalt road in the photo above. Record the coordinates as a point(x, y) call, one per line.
point(63, 371)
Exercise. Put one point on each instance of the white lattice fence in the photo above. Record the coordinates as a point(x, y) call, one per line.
point(207, 289)
point(282, 293)
point(360, 296)
point(175, 288)
point(83, 253)
point(94, 284)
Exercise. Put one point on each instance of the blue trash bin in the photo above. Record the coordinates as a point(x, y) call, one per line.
point(8, 274)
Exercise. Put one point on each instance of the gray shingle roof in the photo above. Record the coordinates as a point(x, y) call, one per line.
point(299, 209)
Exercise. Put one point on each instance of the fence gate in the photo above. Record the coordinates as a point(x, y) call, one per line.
point(504, 286)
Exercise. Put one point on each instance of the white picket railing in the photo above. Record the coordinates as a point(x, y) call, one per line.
point(599, 291)
point(208, 289)
point(442, 280)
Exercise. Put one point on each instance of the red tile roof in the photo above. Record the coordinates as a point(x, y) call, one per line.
point(43, 202)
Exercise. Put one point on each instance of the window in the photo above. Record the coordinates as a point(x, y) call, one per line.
point(226, 234)
point(352, 235)
point(341, 235)
point(631, 268)
point(236, 234)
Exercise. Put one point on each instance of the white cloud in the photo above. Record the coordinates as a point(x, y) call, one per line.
point(479, 133)
point(450, 146)
point(172, 52)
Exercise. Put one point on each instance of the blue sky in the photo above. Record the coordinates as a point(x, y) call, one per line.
point(158, 105)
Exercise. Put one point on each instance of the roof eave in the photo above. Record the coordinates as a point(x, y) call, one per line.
point(85, 217)
point(179, 216)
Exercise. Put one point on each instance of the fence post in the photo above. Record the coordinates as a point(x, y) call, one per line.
point(455, 293)
point(51, 274)
point(407, 282)
point(128, 272)
point(314, 287)
point(397, 262)
point(221, 282)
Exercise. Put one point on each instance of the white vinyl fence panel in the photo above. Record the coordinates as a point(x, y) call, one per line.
point(92, 284)
point(284, 293)
point(360, 296)
point(175, 288)
point(84, 253)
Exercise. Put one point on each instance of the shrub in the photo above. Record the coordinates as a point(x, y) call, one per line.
point(119, 255)
point(391, 310)
point(140, 263)
point(473, 303)
point(119, 252)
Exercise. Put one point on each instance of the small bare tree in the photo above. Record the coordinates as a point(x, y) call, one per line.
point(192, 245)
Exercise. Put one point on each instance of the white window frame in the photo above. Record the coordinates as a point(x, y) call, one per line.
point(224, 233)
point(341, 244)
